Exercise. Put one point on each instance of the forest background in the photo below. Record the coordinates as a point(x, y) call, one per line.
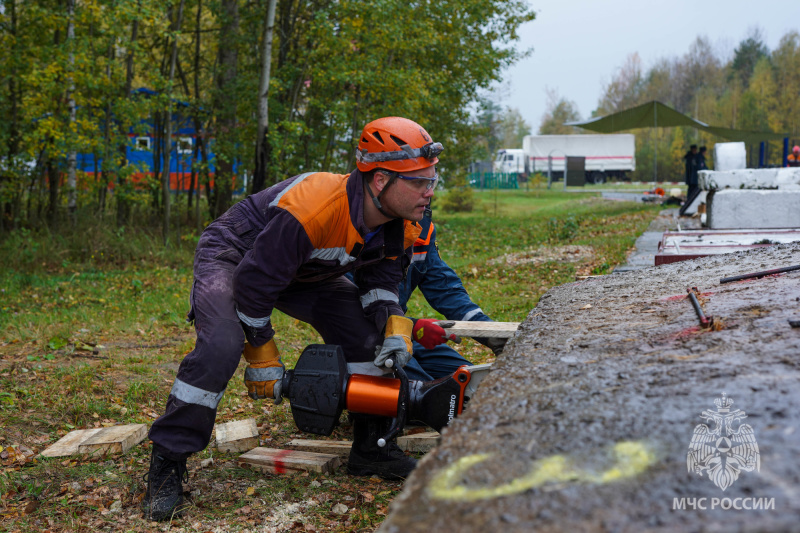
point(71, 69)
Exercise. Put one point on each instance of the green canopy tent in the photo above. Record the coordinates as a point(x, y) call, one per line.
point(655, 114)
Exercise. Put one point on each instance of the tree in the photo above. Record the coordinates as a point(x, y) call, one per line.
point(513, 128)
point(625, 89)
point(746, 56)
point(262, 152)
point(559, 110)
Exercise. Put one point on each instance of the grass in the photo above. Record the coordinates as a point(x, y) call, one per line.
point(92, 338)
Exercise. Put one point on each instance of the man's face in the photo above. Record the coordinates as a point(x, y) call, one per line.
point(407, 198)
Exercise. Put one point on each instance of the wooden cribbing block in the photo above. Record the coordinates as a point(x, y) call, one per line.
point(113, 440)
point(237, 436)
point(272, 461)
point(419, 442)
point(497, 330)
point(340, 448)
point(68, 444)
point(98, 441)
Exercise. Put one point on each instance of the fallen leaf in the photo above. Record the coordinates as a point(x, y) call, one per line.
point(250, 491)
point(339, 508)
point(587, 306)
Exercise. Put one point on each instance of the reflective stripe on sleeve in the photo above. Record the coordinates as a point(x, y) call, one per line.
point(300, 178)
point(418, 257)
point(367, 368)
point(378, 294)
point(269, 373)
point(191, 394)
point(472, 313)
point(253, 322)
point(338, 253)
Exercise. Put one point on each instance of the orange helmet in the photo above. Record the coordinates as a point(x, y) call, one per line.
point(397, 144)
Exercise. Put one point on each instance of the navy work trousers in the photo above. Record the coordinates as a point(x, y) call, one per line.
point(332, 307)
point(438, 362)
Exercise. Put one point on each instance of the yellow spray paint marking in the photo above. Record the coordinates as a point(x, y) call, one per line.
point(631, 459)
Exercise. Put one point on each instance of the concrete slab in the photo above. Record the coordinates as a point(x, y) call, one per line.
point(593, 419)
point(646, 246)
point(750, 178)
point(682, 245)
point(751, 208)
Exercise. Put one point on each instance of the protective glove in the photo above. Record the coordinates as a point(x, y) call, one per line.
point(396, 343)
point(264, 371)
point(494, 344)
point(430, 333)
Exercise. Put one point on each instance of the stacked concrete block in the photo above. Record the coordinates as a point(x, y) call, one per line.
point(752, 198)
point(730, 156)
point(750, 178)
point(753, 208)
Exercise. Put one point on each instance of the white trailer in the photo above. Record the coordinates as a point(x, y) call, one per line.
point(606, 156)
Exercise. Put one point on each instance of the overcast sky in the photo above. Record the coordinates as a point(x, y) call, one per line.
point(578, 44)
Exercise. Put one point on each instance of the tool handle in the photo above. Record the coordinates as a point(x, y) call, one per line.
point(402, 405)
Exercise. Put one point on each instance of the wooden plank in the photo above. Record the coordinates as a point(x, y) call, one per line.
point(113, 440)
point(237, 436)
point(272, 461)
point(340, 448)
point(68, 444)
point(419, 442)
point(497, 330)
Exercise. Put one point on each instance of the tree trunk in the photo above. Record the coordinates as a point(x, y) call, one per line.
point(262, 143)
point(225, 106)
point(168, 135)
point(72, 155)
point(123, 205)
point(13, 112)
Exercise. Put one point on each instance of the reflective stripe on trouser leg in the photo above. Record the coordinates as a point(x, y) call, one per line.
point(186, 425)
point(191, 394)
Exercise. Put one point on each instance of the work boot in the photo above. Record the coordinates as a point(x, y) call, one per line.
point(164, 497)
point(368, 459)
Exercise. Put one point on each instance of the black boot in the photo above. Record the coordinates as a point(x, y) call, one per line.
point(368, 459)
point(164, 497)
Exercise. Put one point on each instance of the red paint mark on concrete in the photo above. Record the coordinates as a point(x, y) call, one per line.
point(688, 332)
point(675, 298)
point(280, 467)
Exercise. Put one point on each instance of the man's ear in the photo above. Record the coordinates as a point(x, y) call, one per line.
point(380, 180)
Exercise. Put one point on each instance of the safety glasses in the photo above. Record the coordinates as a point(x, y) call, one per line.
point(416, 182)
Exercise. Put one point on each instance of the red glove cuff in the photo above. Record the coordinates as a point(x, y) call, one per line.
point(429, 334)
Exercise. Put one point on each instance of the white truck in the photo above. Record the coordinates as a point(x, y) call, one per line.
point(607, 156)
point(509, 160)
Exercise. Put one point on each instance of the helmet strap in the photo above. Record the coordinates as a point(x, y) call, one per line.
point(377, 200)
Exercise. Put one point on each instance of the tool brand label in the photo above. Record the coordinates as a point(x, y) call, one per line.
point(452, 411)
point(722, 451)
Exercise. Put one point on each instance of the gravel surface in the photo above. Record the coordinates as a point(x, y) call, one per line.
point(586, 421)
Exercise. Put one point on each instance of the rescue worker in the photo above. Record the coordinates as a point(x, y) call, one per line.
point(445, 293)
point(288, 248)
point(690, 164)
point(793, 159)
point(701, 159)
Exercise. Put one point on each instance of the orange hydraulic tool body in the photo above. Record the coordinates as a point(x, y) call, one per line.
point(319, 388)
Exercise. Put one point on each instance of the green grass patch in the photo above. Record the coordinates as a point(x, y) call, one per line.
point(87, 342)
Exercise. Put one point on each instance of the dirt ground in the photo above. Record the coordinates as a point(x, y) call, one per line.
point(587, 421)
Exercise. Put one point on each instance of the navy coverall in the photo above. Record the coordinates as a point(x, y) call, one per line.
point(288, 248)
point(445, 293)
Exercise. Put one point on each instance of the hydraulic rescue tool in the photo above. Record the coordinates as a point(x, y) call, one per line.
point(320, 387)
